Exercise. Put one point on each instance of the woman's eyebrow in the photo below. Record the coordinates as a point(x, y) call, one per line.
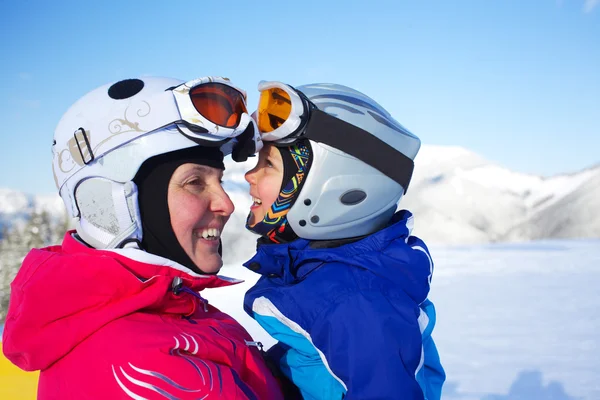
point(206, 170)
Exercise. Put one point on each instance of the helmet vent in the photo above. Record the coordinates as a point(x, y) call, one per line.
point(353, 197)
point(125, 89)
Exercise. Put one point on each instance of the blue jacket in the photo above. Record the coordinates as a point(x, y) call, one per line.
point(352, 321)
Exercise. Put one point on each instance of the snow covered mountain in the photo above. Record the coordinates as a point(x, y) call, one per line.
point(16, 207)
point(457, 197)
point(574, 214)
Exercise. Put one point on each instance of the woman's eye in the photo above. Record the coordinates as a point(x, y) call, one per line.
point(194, 182)
point(269, 164)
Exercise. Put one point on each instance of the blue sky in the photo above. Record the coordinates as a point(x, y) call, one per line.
point(516, 81)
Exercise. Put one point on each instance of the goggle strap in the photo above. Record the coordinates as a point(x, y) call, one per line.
point(357, 142)
point(245, 145)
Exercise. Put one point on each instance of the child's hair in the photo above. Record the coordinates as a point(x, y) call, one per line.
point(328, 194)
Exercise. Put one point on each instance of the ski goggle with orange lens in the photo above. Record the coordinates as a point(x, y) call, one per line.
point(282, 112)
point(214, 101)
point(285, 115)
point(209, 111)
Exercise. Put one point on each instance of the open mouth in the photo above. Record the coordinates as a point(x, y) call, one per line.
point(256, 202)
point(209, 234)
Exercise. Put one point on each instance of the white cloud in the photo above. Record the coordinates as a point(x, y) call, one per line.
point(590, 5)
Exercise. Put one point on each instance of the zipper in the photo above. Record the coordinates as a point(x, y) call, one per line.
point(177, 287)
point(258, 345)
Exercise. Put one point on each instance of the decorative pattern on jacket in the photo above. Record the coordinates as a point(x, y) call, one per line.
point(352, 321)
point(125, 324)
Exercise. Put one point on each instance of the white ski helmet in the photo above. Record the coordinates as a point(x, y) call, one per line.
point(103, 139)
point(344, 196)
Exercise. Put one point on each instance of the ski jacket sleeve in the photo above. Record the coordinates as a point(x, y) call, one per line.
point(373, 346)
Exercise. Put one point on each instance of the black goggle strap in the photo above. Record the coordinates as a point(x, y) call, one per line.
point(244, 146)
point(334, 132)
point(309, 106)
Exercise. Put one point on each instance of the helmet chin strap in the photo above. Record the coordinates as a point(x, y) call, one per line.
point(110, 217)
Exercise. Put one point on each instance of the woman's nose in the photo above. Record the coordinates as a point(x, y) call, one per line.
point(222, 203)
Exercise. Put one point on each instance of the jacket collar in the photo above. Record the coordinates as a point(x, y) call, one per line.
point(146, 265)
point(294, 260)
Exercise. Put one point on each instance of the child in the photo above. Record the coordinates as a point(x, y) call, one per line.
point(344, 286)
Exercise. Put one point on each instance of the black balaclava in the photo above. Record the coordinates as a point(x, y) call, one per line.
point(152, 180)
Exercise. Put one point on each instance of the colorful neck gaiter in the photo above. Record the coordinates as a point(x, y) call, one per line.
point(274, 228)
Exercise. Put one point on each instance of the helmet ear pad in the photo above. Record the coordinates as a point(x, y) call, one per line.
point(342, 197)
point(108, 212)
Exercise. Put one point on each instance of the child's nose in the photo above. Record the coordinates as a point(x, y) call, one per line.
point(250, 176)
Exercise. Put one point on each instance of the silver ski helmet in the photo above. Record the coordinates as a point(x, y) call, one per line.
point(362, 158)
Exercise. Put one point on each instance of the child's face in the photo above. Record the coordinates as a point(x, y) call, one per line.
point(265, 182)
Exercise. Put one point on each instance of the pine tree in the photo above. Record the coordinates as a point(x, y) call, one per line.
point(12, 253)
point(40, 231)
point(59, 228)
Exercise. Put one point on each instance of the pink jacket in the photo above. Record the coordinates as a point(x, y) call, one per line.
point(126, 324)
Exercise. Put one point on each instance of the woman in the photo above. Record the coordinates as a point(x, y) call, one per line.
point(115, 311)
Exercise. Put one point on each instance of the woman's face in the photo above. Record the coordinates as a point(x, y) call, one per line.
point(199, 209)
point(265, 182)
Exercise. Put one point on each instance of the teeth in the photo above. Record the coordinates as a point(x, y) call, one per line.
point(210, 234)
point(256, 201)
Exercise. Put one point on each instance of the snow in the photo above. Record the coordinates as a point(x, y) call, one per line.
point(12, 201)
point(16, 208)
point(515, 321)
point(576, 214)
point(482, 202)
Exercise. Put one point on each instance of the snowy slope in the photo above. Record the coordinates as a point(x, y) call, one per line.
point(236, 239)
point(514, 321)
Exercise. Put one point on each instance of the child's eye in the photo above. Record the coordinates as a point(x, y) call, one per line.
point(269, 163)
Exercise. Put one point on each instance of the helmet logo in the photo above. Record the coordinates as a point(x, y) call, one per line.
point(120, 125)
point(65, 161)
